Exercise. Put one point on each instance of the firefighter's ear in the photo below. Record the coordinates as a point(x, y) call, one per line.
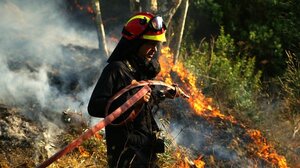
point(134, 82)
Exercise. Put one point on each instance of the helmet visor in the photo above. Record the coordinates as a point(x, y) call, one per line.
point(157, 23)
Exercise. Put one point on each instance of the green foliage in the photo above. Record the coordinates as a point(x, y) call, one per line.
point(225, 76)
point(225, 45)
point(267, 28)
point(211, 7)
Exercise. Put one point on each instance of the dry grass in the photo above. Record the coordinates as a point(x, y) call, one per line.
point(92, 154)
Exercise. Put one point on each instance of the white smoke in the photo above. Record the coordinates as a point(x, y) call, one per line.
point(32, 39)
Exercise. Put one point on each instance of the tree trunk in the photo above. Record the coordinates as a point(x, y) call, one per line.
point(171, 8)
point(135, 6)
point(150, 6)
point(143, 6)
point(100, 28)
point(167, 10)
point(153, 6)
point(182, 21)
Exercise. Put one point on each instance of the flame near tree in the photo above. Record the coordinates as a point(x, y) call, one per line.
point(203, 107)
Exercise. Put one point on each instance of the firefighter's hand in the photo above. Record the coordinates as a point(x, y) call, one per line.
point(146, 97)
point(134, 82)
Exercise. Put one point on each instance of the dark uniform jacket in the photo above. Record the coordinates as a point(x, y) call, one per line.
point(134, 140)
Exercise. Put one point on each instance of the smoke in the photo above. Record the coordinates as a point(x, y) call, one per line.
point(202, 138)
point(47, 62)
point(215, 139)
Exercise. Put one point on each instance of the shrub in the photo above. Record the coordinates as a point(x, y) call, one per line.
point(223, 74)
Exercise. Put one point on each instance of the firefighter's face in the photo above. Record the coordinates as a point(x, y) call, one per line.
point(148, 50)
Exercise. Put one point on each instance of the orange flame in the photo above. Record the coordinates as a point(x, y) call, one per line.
point(90, 10)
point(98, 136)
point(203, 107)
point(198, 101)
point(264, 150)
point(85, 8)
point(83, 152)
point(199, 163)
point(185, 162)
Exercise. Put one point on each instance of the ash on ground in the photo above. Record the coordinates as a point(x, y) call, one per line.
point(25, 142)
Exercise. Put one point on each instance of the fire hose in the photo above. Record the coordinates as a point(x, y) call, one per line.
point(113, 115)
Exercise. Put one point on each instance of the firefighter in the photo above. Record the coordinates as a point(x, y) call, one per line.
point(131, 143)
